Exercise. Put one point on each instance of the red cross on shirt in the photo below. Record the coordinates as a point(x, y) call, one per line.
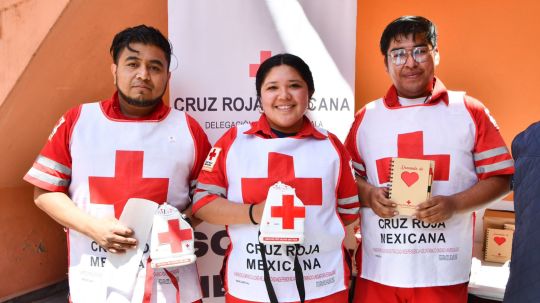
point(411, 145)
point(175, 236)
point(281, 168)
point(212, 154)
point(288, 212)
point(127, 183)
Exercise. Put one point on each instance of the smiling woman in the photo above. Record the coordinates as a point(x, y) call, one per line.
point(284, 85)
point(284, 99)
point(248, 160)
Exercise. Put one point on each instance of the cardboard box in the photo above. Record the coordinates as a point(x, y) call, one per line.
point(497, 219)
point(509, 226)
point(498, 235)
point(498, 245)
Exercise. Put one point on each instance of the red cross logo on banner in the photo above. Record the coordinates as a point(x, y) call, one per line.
point(263, 55)
point(175, 236)
point(127, 183)
point(281, 168)
point(411, 145)
point(288, 212)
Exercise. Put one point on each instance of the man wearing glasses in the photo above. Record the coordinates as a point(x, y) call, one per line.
point(425, 257)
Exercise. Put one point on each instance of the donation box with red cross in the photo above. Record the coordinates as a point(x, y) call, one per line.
point(283, 216)
point(172, 240)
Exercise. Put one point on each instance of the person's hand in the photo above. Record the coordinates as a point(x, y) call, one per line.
point(380, 204)
point(110, 234)
point(436, 209)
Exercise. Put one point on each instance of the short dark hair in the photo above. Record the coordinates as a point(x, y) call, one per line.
point(406, 25)
point(284, 59)
point(140, 34)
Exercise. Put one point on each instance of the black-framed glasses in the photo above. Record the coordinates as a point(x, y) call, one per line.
point(419, 54)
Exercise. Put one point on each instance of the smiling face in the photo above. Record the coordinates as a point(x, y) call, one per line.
point(284, 98)
point(412, 79)
point(141, 77)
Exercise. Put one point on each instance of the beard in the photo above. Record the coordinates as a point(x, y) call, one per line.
point(138, 102)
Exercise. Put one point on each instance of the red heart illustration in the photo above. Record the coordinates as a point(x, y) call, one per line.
point(499, 240)
point(409, 178)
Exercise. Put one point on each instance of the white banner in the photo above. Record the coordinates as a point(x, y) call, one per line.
point(217, 48)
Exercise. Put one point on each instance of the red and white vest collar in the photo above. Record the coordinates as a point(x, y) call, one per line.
point(439, 93)
point(111, 109)
point(262, 128)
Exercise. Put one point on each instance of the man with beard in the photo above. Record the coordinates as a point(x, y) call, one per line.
point(129, 146)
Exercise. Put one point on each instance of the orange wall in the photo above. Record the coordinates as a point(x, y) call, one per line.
point(19, 39)
point(487, 48)
point(71, 65)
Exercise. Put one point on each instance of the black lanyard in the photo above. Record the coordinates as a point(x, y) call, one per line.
point(298, 274)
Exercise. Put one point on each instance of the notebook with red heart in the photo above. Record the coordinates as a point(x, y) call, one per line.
point(498, 245)
point(410, 183)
